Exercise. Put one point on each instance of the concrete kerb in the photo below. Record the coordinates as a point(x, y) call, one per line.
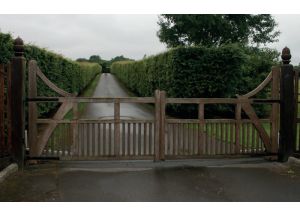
point(12, 168)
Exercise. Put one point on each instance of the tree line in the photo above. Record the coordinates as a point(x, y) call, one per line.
point(105, 64)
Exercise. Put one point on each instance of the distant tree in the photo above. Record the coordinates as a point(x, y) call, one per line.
point(96, 59)
point(119, 58)
point(216, 29)
point(82, 60)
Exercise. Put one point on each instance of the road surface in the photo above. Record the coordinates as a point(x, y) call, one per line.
point(148, 181)
point(109, 86)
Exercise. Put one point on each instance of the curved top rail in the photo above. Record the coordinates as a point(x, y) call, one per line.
point(260, 87)
point(51, 85)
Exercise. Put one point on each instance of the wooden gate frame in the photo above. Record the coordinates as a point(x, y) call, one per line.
point(69, 101)
point(242, 102)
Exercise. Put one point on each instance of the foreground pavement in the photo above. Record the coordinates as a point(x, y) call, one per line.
point(194, 180)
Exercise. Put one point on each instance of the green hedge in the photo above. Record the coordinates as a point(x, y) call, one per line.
point(69, 75)
point(198, 72)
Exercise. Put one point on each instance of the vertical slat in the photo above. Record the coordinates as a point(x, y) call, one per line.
point(253, 138)
point(117, 126)
point(174, 139)
point(51, 145)
point(128, 140)
point(231, 146)
point(193, 138)
point(162, 125)
point(145, 139)
point(100, 146)
point(84, 140)
point(80, 140)
point(63, 138)
point(104, 139)
point(157, 125)
point(3, 145)
point(134, 138)
point(187, 138)
point(92, 136)
point(238, 112)
point(170, 141)
point(110, 143)
point(222, 142)
point(179, 137)
point(226, 138)
point(151, 145)
point(243, 137)
point(88, 139)
point(96, 132)
point(208, 139)
point(217, 135)
point(248, 138)
point(213, 128)
point(123, 139)
point(139, 139)
point(257, 142)
point(54, 145)
point(184, 139)
point(68, 139)
point(74, 126)
point(167, 144)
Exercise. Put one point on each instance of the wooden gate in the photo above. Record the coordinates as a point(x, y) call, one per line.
point(159, 138)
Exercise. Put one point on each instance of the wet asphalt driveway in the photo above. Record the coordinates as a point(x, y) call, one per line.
point(147, 181)
point(109, 86)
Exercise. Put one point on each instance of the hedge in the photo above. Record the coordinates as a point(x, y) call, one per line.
point(69, 75)
point(198, 72)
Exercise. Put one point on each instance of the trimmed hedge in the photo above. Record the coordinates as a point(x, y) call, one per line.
point(69, 75)
point(198, 72)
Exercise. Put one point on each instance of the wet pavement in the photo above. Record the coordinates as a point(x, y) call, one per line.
point(109, 86)
point(250, 179)
point(214, 180)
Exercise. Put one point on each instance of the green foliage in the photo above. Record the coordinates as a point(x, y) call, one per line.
point(6, 47)
point(216, 29)
point(197, 72)
point(71, 76)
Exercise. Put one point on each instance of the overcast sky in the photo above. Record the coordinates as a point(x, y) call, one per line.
point(133, 36)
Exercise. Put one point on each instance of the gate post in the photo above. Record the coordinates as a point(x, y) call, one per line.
point(17, 102)
point(287, 108)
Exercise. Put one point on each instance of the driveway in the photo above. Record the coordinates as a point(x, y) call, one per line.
point(194, 180)
point(109, 86)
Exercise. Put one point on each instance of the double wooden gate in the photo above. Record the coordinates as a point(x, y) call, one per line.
point(158, 138)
